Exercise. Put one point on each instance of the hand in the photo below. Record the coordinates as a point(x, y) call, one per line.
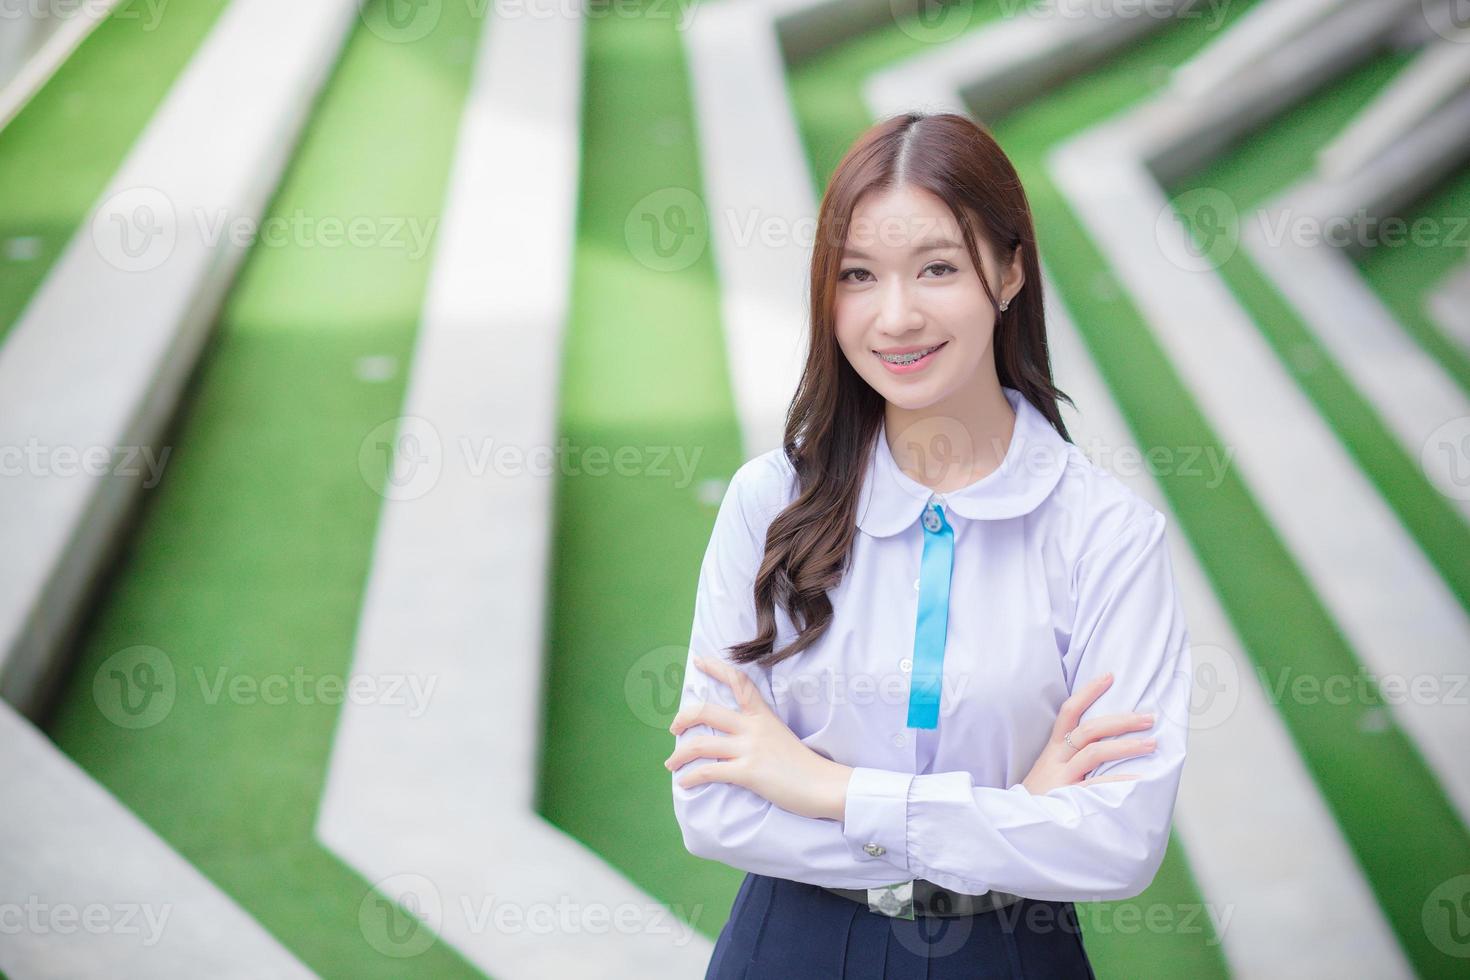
point(760, 752)
point(1061, 764)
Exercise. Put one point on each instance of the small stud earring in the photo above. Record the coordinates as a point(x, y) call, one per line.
point(1005, 305)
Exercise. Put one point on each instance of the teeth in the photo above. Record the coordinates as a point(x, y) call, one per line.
point(908, 358)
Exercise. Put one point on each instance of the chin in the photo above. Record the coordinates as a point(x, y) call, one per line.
point(912, 397)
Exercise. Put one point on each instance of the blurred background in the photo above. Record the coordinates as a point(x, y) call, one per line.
point(371, 373)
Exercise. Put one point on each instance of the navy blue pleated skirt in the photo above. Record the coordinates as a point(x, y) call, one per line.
point(788, 930)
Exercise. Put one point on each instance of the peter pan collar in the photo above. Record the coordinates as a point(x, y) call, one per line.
point(891, 500)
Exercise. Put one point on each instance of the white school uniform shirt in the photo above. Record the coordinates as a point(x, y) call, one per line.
point(1060, 574)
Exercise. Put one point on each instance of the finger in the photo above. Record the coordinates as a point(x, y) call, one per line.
point(1079, 741)
point(1109, 778)
point(1097, 753)
point(1096, 728)
point(706, 713)
point(1078, 702)
point(714, 772)
point(746, 694)
point(702, 747)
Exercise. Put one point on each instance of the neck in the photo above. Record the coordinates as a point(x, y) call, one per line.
point(953, 443)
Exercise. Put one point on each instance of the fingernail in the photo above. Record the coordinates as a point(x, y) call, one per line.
point(1150, 743)
point(1148, 718)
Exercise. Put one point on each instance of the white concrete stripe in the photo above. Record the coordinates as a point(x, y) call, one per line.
point(1263, 29)
point(1249, 831)
point(1433, 78)
point(33, 46)
point(747, 134)
point(88, 890)
point(1281, 73)
point(1448, 305)
point(1407, 388)
point(434, 802)
point(95, 363)
point(807, 27)
point(1260, 839)
point(1270, 860)
point(1394, 609)
point(990, 71)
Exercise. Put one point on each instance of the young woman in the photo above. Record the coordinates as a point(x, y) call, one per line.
point(924, 623)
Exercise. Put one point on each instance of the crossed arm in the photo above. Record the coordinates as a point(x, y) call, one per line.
point(859, 826)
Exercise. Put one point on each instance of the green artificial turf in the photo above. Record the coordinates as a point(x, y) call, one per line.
point(1403, 830)
point(59, 153)
point(644, 371)
point(251, 556)
point(248, 560)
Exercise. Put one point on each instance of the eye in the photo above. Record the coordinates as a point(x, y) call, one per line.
point(943, 266)
point(843, 276)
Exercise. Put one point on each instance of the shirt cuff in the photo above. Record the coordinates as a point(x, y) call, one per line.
point(875, 818)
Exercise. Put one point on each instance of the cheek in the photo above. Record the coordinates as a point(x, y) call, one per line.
point(847, 324)
point(969, 316)
point(965, 304)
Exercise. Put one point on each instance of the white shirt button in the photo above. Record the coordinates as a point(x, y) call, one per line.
point(916, 585)
point(905, 665)
point(900, 739)
point(875, 848)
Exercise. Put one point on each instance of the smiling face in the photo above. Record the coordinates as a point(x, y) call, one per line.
point(906, 286)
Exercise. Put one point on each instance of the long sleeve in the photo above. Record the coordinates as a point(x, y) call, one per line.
point(722, 821)
point(1075, 843)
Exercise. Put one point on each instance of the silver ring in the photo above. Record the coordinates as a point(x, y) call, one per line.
point(1068, 739)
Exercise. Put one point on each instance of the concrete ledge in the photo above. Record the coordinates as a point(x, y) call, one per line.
point(1395, 611)
point(95, 893)
point(35, 45)
point(95, 365)
point(1448, 305)
point(435, 804)
point(1413, 395)
point(990, 72)
point(1261, 840)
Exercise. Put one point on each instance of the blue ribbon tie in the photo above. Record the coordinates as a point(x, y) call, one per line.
point(933, 618)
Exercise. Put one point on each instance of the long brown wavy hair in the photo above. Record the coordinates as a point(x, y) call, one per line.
point(835, 414)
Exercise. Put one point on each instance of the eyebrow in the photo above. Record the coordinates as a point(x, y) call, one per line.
point(933, 245)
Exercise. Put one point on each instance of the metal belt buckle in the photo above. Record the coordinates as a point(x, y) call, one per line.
point(895, 901)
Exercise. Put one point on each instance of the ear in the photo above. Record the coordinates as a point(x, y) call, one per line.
point(1014, 278)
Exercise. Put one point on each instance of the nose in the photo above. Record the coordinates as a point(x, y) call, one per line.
point(897, 314)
